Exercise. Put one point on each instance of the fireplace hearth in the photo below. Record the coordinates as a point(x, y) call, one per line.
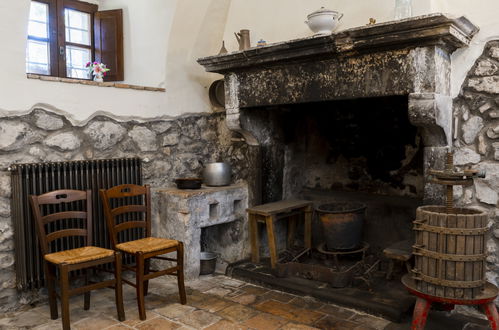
point(360, 115)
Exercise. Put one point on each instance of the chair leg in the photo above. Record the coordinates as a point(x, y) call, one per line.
point(147, 264)
point(50, 272)
point(65, 296)
point(86, 295)
point(139, 258)
point(180, 273)
point(118, 287)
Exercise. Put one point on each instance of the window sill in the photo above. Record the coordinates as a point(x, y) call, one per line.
point(93, 83)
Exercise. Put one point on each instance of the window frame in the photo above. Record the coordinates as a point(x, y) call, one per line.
point(57, 33)
point(52, 35)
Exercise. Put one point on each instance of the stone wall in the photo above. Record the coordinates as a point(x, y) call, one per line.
point(169, 148)
point(476, 110)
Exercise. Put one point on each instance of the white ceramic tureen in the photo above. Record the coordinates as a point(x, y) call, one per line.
point(323, 21)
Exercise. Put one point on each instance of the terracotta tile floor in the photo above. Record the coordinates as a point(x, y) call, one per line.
point(213, 302)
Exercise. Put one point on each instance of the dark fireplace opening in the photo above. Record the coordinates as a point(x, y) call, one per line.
point(366, 144)
point(362, 150)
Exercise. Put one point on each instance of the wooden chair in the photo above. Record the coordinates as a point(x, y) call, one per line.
point(133, 210)
point(50, 213)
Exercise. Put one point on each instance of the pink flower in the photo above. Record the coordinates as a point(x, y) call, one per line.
point(88, 64)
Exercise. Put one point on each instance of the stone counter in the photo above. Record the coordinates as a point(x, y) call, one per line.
point(210, 218)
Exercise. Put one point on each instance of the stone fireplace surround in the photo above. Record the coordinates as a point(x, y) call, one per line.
point(409, 57)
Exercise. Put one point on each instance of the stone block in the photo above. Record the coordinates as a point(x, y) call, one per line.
point(36, 151)
point(458, 192)
point(471, 128)
point(265, 321)
point(4, 207)
point(494, 52)
point(485, 84)
point(486, 194)
point(200, 319)
point(171, 139)
point(161, 126)
point(157, 323)
point(486, 68)
point(493, 132)
point(464, 156)
point(5, 187)
point(183, 214)
point(175, 311)
point(6, 260)
point(105, 134)
point(482, 145)
point(64, 141)
point(144, 138)
point(237, 313)
point(485, 107)
point(494, 114)
point(47, 122)
point(289, 312)
point(495, 147)
point(16, 134)
point(468, 196)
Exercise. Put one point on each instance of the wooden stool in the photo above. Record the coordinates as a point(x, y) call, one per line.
point(268, 214)
point(401, 251)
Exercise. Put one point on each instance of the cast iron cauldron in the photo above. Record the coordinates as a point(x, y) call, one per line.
point(217, 174)
point(342, 223)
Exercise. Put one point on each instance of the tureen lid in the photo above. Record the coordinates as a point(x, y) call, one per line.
point(322, 10)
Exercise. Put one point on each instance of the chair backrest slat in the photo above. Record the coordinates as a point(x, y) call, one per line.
point(129, 225)
point(127, 209)
point(65, 233)
point(59, 198)
point(126, 192)
point(64, 215)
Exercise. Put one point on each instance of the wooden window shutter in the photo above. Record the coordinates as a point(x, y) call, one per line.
point(108, 35)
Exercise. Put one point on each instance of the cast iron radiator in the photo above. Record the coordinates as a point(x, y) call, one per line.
point(39, 178)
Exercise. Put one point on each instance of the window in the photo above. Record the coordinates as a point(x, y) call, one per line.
point(64, 35)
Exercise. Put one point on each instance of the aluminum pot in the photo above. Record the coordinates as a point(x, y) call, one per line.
point(208, 263)
point(217, 174)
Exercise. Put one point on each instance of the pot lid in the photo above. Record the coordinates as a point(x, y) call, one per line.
point(322, 11)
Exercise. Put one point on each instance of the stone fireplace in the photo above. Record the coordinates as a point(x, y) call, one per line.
point(364, 112)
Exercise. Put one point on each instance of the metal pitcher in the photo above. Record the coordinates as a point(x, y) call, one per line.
point(243, 38)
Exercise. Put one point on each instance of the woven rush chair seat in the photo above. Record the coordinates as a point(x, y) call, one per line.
point(147, 244)
point(75, 256)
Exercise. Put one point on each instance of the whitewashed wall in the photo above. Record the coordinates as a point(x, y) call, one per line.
point(189, 28)
point(146, 27)
point(163, 38)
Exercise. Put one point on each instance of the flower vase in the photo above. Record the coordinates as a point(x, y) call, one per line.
point(98, 77)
